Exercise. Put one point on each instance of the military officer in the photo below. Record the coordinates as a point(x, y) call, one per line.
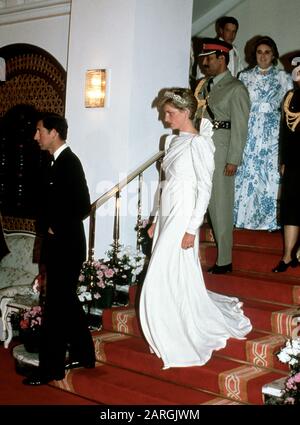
point(224, 100)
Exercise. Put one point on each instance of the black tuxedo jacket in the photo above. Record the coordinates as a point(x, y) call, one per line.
point(65, 203)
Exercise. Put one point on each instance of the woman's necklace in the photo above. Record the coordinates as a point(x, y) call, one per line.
point(264, 71)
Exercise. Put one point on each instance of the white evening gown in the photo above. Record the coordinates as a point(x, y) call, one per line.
point(182, 321)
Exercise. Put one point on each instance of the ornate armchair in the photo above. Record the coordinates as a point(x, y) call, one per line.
point(18, 268)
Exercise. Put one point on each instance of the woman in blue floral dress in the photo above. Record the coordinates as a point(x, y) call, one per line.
point(257, 179)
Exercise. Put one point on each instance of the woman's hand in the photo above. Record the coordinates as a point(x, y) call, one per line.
point(150, 231)
point(187, 241)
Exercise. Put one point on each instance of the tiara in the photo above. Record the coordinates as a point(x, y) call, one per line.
point(176, 97)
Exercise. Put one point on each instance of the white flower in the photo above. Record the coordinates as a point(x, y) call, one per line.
point(283, 357)
point(296, 345)
point(81, 289)
point(291, 352)
point(85, 296)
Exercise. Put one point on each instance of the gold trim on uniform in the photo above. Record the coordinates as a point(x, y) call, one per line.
point(292, 118)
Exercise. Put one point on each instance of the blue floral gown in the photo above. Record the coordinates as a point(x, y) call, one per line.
point(257, 179)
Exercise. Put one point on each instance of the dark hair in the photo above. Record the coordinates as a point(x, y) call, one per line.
point(269, 42)
point(223, 20)
point(51, 121)
point(180, 98)
point(226, 55)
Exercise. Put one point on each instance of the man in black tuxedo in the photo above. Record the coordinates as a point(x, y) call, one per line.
point(65, 202)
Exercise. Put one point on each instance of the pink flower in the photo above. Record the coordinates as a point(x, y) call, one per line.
point(297, 377)
point(289, 400)
point(290, 384)
point(109, 273)
point(31, 318)
point(36, 309)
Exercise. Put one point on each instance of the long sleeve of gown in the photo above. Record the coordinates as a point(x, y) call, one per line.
point(202, 151)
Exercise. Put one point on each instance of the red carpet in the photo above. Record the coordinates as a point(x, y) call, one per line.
point(128, 374)
point(12, 390)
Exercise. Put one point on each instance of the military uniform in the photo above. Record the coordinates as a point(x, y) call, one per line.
point(227, 106)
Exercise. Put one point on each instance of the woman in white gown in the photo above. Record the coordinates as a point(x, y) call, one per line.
point(182, 321)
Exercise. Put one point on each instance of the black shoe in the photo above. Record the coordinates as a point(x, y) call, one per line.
point(41, 380)
point(76, 363)
point(282, 266)
point(220, 269)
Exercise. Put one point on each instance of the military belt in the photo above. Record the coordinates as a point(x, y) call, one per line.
point(221, 124)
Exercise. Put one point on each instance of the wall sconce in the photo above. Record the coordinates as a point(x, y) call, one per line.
point(95, 88)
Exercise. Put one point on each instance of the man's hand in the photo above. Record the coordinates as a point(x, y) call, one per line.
point(230, 169)
point(39, 284)
point(150, 231)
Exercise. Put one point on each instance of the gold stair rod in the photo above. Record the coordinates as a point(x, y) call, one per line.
point(112, 192)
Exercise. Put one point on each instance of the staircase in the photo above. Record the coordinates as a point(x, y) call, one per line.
point(127, 373)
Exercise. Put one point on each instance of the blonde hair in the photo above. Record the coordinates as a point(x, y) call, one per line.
point(180, 98)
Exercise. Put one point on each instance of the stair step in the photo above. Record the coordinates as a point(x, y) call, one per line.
point(134, 294)
point(222, 376)
point(254, 238)
point(122, 320)
point(237, 373)
point(112, 385)
point(247, 259)
point(272, 317)
point(262, 351)
point(259, 349)
point(277, 288)
point(264, 316)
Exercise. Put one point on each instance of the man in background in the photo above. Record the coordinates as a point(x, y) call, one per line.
point(224, 100)
point(226, 29)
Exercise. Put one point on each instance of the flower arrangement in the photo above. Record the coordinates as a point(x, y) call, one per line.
point(128, 264)
point(291, 392)
point(290, 354)
point(28, 322)
point(120, 267)
point(94, 277)
point(31, 319)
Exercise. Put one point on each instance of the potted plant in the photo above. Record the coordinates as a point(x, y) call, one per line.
point(96, 283)
point(99, 279)
point(290, 354)
point(30, 325)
